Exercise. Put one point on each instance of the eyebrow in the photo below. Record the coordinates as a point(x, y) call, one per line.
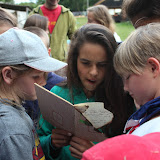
point(83, 59)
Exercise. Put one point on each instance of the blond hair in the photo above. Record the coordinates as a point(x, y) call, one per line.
point(133, 53)
point(102, 16)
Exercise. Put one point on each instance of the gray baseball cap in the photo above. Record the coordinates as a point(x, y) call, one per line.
point(18, 46)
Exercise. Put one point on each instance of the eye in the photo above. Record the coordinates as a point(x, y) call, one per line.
point(102, 64)
point(128, 77)
point(85, 62)
point(36, 77)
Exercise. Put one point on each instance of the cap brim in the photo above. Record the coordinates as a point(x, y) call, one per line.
point(46, 64)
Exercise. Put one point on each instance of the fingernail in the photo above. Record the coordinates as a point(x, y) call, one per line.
point(69, 134)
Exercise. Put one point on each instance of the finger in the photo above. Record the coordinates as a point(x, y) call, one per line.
point(75, 153)
point(62, 132)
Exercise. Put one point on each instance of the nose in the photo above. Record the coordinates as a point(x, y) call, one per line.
point(42, 80)
point(94, 70)
point(43, 83)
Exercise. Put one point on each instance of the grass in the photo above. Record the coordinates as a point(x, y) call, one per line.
point(123, 29)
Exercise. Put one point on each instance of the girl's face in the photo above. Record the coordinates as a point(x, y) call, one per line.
point(91, 18)
point(91, 66)
point(25, 84)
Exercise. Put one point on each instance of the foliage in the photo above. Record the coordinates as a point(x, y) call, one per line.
point(31, 4)
point(77, 5)
point(8, 1)
point(40, 2)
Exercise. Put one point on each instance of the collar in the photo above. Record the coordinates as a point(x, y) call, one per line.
point(145, 113)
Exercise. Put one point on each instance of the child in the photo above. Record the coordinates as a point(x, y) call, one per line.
point(137, 61)
point(37, 21)
point(90, 77)
point(32, 107)
point(21, 65)
point(100, 14)
point(141, 12)
point(7, 20)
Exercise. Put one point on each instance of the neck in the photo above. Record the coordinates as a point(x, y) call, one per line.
point(50, 6)
point(88, 93)
point(10, 96)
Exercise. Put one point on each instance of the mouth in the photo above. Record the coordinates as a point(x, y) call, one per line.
point(91, 81)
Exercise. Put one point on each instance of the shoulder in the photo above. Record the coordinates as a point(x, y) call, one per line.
point(12, 122)
point(35, 10)
point(150, 126)
point(61, 91)
point(64, 9)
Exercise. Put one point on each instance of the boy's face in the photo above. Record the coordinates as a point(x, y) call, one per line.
point(25, 83)
point(141, 87)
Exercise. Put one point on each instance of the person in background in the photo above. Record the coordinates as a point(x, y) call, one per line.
point(32, 107)
point(7, 20)
point(126, 147)
point(20, 69)
point(62, 25)
point(37, 21)
point(137, 61)
point(100, 14)
point(90, 77)
point(141, 12)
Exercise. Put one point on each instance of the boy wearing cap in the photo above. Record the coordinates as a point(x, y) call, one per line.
point(21, 65)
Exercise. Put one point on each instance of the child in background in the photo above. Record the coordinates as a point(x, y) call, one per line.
point(7, 20)
point(137, 60)
point(37, 21)
point(20, 68)
point(90, 77)
point(100, 14)
point(32, 107)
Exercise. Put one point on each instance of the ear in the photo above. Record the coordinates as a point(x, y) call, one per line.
point(8, 75)
point(154, 65)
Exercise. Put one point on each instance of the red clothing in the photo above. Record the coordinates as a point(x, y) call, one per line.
point(52, 15)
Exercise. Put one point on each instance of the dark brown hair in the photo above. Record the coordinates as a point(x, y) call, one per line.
point(148, 8)
point(111, 91)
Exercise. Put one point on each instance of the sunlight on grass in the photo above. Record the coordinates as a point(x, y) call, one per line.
point(123, 29)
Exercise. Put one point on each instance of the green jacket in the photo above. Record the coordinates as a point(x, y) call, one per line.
point(64, 29)
point(45, 128)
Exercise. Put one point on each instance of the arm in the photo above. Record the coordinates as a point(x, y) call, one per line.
point(16, 147)
point(72, 25)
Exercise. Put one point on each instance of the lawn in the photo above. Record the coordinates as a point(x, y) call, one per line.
point(123, 29)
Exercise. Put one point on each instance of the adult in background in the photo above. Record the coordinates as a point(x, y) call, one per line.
point(62, 25)
point(141, 12)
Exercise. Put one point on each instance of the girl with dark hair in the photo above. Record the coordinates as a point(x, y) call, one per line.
point(90, 77)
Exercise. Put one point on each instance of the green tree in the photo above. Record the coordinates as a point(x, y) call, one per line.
point(8, 1)
point(30, 4)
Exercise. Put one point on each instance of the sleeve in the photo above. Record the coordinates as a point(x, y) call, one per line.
point(72, 25)
point(44, 132)
point(16, 147)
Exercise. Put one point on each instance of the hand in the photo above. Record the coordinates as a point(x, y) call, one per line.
point(78, 146)
point(60, 138)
